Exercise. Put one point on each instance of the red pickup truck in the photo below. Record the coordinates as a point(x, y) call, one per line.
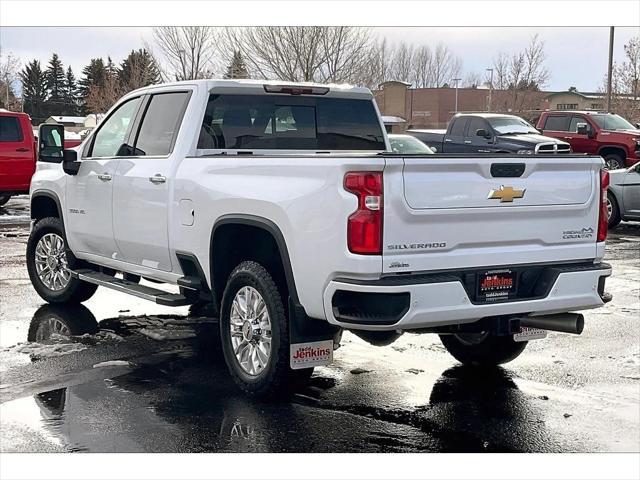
point(17, 154)
point(18, 149)
point(604, 134)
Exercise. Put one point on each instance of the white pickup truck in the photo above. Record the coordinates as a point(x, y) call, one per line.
point(283, 205)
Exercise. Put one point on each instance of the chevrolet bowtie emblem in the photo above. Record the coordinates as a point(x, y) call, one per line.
point(506, 194)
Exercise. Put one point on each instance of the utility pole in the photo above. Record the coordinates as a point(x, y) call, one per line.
point(456, 80)
point(610, 70)
point(490, 88)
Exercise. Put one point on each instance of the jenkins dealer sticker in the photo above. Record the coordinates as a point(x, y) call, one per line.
point(312, 354)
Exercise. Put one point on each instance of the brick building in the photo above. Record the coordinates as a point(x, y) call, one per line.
point(433, 107)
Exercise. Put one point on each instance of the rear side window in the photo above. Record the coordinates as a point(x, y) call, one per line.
point(459, 124)
point(557, 123)
point(10, 130)
point(285, 122)
point(161, 123)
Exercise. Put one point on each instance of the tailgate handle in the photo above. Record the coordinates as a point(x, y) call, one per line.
point(507, 169)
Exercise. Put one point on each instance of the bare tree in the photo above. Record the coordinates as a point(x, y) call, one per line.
point(298, 54)
point(625, 83)
point(189, 51)
point(472, 80)
point(9, 68)
point(402, 63)
point(500, 71)
point(102, 97)
point(522, 73)
point(445, 65)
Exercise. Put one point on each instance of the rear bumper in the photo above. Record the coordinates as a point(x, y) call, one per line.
point(422, 301)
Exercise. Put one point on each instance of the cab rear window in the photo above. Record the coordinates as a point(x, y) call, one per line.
point(275, 122)
point(10, 130)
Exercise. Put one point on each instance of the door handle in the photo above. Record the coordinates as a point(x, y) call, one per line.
point(467, 141)
point(448, 140)
point(157, 179)
point(22, 149)
point(105, 177)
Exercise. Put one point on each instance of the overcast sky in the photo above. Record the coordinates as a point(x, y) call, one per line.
point(576, 56)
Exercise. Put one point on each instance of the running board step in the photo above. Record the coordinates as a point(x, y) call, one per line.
point(141, 291)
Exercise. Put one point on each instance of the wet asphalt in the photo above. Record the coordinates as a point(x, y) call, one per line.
point(119, 374)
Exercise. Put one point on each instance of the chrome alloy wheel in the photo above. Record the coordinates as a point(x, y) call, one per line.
point(609, 208)
point(51, 262)
point(250, 328)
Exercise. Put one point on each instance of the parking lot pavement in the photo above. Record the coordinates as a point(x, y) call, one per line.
point(123, 375)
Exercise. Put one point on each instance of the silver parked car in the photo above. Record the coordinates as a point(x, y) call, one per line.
point(407, 144)
point(623, 196)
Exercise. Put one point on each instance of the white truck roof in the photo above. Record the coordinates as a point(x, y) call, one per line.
point(258, 86)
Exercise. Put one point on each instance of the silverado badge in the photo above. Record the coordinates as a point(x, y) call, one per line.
point(506, 194)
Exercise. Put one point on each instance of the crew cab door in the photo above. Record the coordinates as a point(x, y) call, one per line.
point(581, 143)
point(142, 183)
point(474, 143)
point(454, 138)
point(17, 162)
point(89, 194)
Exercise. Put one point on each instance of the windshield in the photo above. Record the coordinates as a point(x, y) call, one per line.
point(610, 121)
point(507, 125)
point(408, 144)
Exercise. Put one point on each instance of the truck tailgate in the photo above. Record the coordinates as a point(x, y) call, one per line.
point(454, 213)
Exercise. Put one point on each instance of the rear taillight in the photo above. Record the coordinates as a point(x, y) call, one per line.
point(364, 227)
point(603, 219)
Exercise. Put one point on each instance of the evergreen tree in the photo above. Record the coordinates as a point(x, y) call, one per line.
point(237, 67)
point(71, 94)
point(55, 81)
point(34, 91)
point(94, 75)
point(111, 69)
point(138, 70)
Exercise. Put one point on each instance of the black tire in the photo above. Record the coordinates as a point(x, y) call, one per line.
point(276, 380)
point(483, 350)
point(614, 217)
point(613, 161)
point(75, 290)
point(4, 199)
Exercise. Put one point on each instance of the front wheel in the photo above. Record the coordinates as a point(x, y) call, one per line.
point(255, 334)
point(483, 348)
point(4, 199)
point(48, 262)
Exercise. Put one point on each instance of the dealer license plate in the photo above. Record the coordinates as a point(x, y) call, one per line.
point(496, 285)
point(527, 334)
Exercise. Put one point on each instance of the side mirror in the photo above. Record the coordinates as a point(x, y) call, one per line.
point(50, 143)
point(70, 163)
point(481, 132)
point(582, 129)
point(638, 125)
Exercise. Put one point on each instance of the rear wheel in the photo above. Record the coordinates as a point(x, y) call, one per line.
point(49, 261)
point(613, 161)
point(613, 211)
point(482, 348)
point(4, 199)
point(255, 334)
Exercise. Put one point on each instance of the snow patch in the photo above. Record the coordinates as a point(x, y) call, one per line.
point(162, 334)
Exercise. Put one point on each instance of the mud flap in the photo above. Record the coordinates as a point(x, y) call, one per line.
point(311, 341)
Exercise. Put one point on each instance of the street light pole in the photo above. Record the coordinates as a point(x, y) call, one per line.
point(490, 88)
point(456, 80)
point(610, 70)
